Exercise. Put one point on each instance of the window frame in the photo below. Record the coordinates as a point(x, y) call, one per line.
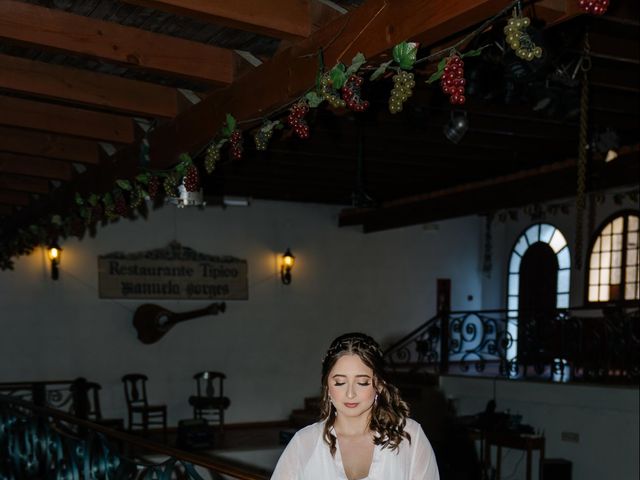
point(587, 261)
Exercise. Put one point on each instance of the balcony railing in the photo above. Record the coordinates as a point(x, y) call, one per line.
point(43, 443)
point(579, 344)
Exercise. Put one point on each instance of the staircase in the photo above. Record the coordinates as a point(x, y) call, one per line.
point(302, 417)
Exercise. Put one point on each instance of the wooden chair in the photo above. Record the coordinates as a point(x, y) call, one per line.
point(209, 403)
point(86, 404)
point(135, 391)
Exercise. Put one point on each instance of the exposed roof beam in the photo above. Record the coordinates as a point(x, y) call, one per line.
point(29, 142)
point(79, 35)
point(280, 18)
point(22, 183)
point(542, 184)
point(78, 122)
point(14, 198)
point(35, 166)
point(93, 89)
point(374, 27)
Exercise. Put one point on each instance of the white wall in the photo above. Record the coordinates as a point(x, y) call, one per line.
point(606, 420)
point(506, 233)
point(270, 346)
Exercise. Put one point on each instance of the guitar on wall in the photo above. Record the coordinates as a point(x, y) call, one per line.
point(152, 322)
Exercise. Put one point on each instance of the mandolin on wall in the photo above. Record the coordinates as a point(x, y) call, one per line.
point(152, 322)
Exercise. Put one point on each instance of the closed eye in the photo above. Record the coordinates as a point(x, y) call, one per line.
point(338, 384)
point(364, 384)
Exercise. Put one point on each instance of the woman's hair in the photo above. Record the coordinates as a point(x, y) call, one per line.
point(389, 412)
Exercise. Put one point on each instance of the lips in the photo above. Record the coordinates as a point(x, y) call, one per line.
point(351, 405)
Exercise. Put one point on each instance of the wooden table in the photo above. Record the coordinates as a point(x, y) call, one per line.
point(514, 440)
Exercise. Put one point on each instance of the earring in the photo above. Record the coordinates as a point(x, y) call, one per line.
point(375, 399)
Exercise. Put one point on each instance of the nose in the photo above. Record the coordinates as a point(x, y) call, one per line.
point(351, 392)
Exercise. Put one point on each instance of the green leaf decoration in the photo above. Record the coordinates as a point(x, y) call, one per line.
point(356, 63)
point(33, 228)
point(143, 178)
point(221, 143)
point(380, 70)
point(185, 159)
point(107, 199)
point(124, 184)
point(405, 54)
point(181, 169)
point(439, 72)
point(56, 220)
point(84, 212)
point(313, 99)
point(338, 77)
point(93, 199)
point(79, 200)
point(473, 53)
point(230, 125)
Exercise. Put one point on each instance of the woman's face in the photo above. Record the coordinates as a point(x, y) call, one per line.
point(351, 386)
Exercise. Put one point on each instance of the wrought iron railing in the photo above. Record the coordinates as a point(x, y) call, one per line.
point(43, 443)
point(578, 344)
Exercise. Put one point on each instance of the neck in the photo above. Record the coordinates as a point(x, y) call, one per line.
point(352, 426)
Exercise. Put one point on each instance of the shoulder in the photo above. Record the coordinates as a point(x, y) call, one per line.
point(309, 435)
point(412, 427)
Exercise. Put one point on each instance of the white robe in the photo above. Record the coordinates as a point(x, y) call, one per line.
point(307, 457)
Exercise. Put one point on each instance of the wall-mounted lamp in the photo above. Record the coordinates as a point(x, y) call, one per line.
point(287, 265)
point(55, 252)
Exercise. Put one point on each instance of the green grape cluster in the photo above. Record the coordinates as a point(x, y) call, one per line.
point(329, 94)
point(170, 185)
point(211, 157)
point(519, 40)
point(262, 137)
point(403, 84)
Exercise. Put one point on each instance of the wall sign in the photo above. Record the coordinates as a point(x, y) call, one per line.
point(175, 272)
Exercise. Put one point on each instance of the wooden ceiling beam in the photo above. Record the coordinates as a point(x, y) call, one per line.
point(55, 30)
point(35, 166)
point(373, 28)
point(14, 198)
point(289, 19)
point(22, 183)
point(17, 112)
point(99, 90)
point(48, 145)
point(540, 184)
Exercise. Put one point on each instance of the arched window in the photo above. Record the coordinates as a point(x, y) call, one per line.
point(613, 261)
point(540, 258)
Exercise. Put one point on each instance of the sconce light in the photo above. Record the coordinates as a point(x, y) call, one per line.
point(55, 252)
point(457, 127)
point(287, 265)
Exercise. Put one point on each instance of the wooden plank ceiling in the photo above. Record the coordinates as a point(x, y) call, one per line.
point(81, 81)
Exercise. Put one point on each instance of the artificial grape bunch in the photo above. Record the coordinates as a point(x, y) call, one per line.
point(154, 187)
point(296, 119)
point(170, 185)
point(211, 157)
point(594, 7)
point(97, 214)
point(192, 179)
point(328, 93)
point(236, 145)
point(519, 40)
point(120, 206)
point(403, 84)
point(262, 137)
point(452, 81)
point(137, 197)
point(351, 94)
point(76, 227)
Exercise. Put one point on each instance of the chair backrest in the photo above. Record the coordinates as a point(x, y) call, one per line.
point(205, 384)
point(86, 399)
point(135, 389)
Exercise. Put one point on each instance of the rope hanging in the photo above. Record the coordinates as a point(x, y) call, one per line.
point(582, 153)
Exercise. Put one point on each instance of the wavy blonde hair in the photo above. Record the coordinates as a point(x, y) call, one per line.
point(389, 412)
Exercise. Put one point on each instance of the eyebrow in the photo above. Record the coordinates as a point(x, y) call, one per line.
point(357, 376)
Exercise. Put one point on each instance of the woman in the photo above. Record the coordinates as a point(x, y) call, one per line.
point(364, 433)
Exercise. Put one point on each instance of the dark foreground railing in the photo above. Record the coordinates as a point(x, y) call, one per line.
point(580, 344)
point(43, 443)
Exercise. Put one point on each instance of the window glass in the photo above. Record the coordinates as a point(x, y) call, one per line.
point(557, 241)
point(613, 261)
point(533, 234)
